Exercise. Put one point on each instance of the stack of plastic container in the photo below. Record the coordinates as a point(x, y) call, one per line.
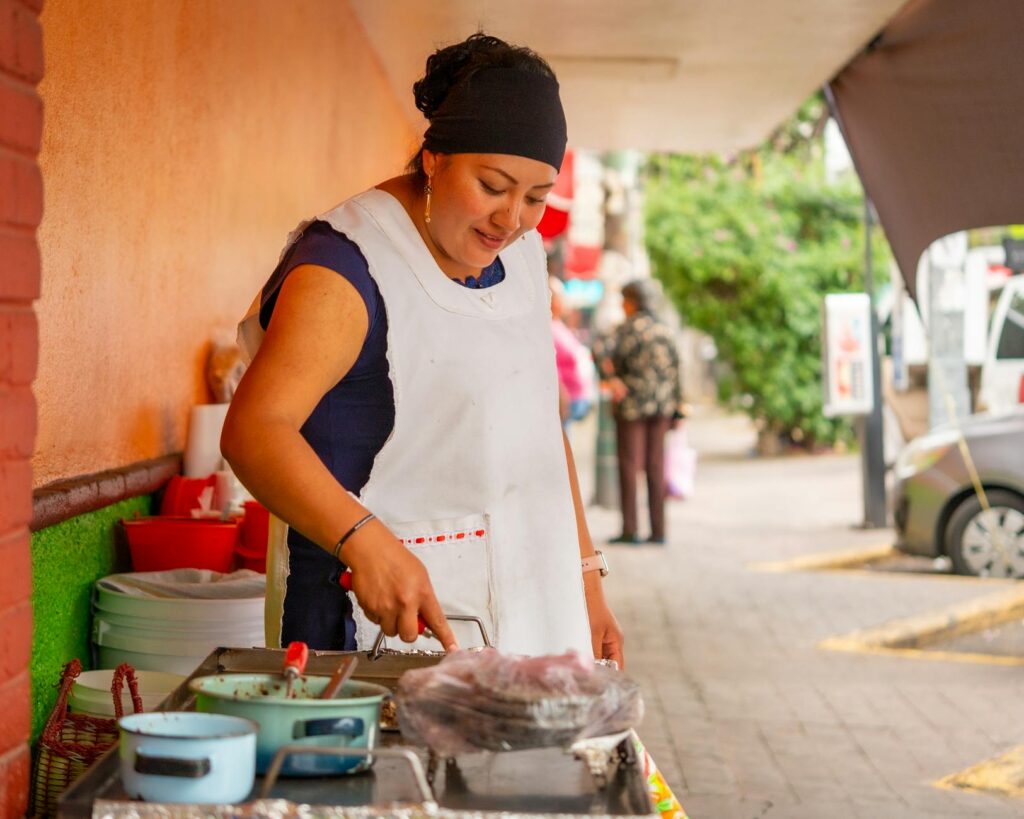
point(90, 695)
point(170, 621)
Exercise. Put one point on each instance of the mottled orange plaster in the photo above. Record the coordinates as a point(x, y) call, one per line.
point(182, 141)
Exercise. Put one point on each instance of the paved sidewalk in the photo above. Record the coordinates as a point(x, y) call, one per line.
point(746, 717)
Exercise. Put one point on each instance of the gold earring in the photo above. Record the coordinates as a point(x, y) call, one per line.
point(426, 213)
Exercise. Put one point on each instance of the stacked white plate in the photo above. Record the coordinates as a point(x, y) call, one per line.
point(171, 621)
point(91, 692)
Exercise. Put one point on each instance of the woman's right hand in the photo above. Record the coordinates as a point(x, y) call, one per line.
point(392, 585)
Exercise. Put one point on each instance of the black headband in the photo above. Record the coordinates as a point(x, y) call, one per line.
point(501, 111)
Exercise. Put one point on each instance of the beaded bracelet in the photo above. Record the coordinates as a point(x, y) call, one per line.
point(359, 525)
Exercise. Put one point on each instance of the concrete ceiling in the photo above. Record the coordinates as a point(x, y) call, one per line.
point(673, 75)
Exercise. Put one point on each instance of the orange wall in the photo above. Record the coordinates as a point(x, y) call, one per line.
point(183, 139)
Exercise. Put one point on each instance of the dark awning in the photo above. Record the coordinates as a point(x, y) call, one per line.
point(933, 113)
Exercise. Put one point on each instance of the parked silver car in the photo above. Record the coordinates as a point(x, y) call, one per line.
point(937, 510)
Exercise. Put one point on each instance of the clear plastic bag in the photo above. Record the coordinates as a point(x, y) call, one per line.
point(488, 701)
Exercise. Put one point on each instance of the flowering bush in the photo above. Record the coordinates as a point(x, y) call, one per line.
point(747, 248)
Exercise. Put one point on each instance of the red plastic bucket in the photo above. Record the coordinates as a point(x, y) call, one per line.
point(181, 495)
point(255, 528)
point(252, 546)
point(258, 563)
point(162, 543)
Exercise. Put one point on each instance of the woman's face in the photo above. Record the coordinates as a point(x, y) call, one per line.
point(481, 203)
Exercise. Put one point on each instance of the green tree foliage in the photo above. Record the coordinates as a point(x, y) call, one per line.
point(747, 248)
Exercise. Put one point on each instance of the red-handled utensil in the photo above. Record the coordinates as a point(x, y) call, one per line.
point(295, 659)
point(345, 581)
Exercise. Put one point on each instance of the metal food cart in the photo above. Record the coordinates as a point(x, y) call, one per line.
point(594, 778)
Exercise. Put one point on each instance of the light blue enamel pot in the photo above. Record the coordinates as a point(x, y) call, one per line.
point(349, 720)
point(182, 756)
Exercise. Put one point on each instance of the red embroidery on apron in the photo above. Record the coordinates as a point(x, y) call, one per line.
point(441, 537)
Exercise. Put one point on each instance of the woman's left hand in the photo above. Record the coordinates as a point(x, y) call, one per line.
point(605, 632)
point(618, 389)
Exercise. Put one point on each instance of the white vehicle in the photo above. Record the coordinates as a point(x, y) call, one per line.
point(979, 285)
point(1002, 372)
point(993, 338)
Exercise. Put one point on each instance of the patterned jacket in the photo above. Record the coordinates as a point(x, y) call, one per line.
point(644, 357)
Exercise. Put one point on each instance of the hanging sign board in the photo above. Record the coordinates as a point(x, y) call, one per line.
point(846, 354)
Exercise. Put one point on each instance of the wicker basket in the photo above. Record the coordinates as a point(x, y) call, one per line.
point(70, 743)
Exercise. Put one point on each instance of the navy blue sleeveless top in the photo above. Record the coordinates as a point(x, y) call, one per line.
point(346, 429)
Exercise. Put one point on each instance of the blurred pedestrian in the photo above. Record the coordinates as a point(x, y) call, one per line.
point(642, 366)
point(576, 372)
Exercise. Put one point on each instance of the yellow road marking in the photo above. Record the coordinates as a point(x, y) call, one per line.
point(910, 636)
point(850, 561)
point(828, 560)
point(924, 654)
point(911, 575)
point(1001, 774)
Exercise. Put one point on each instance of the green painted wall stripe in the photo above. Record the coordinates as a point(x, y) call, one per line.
point(67, 559)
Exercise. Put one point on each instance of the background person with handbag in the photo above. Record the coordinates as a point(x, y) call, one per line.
point(643, 374)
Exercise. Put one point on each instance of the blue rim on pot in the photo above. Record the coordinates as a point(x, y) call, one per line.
point(187, 757)
point(349, 720)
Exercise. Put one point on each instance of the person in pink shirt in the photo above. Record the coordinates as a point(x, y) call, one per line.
point(575, 377)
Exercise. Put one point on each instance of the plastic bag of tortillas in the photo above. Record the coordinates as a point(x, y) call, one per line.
point(483, 700)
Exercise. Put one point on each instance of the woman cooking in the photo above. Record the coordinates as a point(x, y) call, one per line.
point(401, 413)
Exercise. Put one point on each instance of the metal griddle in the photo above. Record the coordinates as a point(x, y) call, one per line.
point(534, 782)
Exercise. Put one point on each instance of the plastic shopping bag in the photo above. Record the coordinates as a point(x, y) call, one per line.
point(680, 465)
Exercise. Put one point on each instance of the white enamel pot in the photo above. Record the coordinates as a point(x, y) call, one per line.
point(183, 756)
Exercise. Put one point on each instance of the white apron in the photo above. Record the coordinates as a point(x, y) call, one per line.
point(473, 477)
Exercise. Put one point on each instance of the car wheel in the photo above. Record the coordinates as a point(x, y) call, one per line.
point(988, 542)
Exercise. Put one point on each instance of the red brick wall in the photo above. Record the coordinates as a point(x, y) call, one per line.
point(21, 208)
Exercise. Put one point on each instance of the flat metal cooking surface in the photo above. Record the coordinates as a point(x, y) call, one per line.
point(533, 782)
point(540, 781)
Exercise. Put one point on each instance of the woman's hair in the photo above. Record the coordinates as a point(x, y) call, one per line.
point(644, 293)
point(452, 65)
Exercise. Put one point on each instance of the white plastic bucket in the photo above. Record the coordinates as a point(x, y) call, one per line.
point(157, 643)
point(175, 652)
point(248, 634)
point(91, 692)
point(171, 621)
point(180, 609)
point(243, 625)
point(109, 655)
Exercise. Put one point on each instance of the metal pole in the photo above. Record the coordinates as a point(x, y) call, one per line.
point(947, 367)
point(606, 484)
point(870, 428)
